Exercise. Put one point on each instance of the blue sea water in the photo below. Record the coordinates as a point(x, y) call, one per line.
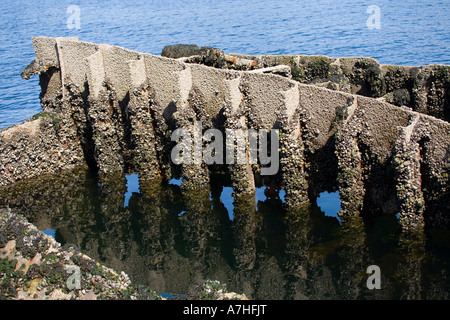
point(410, 33)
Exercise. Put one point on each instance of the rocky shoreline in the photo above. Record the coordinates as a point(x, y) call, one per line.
point(34, 266)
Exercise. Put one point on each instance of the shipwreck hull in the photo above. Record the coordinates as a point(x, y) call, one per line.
point(115, 110)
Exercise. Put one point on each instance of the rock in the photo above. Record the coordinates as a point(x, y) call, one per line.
point(135, 101)
point(182, 50)
point(44, 277)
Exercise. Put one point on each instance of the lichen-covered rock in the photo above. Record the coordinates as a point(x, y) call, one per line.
point(21, 148)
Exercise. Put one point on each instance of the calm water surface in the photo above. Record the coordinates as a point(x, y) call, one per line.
point(168, 240)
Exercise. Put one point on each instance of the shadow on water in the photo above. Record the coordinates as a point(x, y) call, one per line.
point(169, 239)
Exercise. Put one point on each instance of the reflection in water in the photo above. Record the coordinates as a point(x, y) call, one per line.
point(227, 199)
point(169, 239)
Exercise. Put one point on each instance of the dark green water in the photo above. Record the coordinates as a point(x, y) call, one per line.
point(168, 240)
